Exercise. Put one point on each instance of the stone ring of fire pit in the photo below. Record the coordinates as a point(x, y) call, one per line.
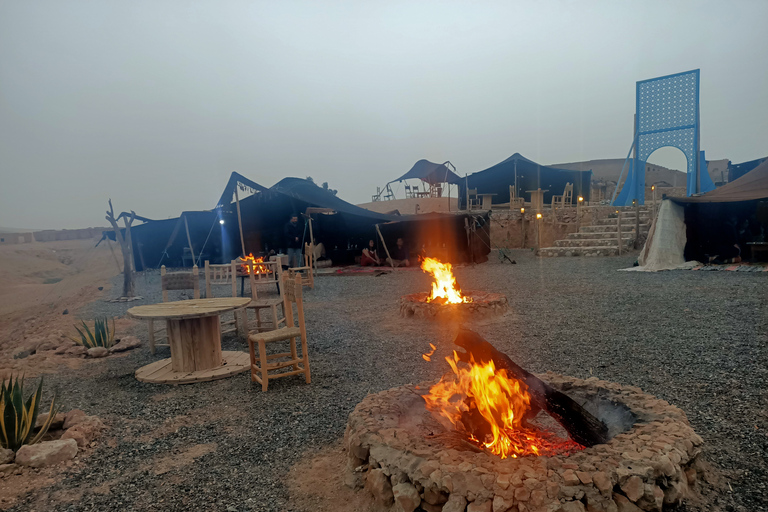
point(396, 453)
point(483, 304)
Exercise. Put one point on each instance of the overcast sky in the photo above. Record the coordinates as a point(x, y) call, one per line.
point(154, 103)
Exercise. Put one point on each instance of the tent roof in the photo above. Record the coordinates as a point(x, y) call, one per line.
point(430, 172)
point(751, 186)
point(517, 157)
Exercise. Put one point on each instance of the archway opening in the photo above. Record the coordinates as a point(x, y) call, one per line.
point(667, 167)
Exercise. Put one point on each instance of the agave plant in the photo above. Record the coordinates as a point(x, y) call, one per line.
point(18, 418)
point(101, 336)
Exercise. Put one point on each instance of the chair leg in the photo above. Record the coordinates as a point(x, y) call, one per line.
point(294, 354)
point(263, 362)
point(151, 325)
point(274, 317)
point(253, 359)
point(258, 319)
point(305, 356)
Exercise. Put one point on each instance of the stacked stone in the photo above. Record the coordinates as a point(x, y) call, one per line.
point(484, 304)
point(649, 467)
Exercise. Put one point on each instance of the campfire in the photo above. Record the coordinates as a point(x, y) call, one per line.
point(257, 269)
point(489, 407)
point(491, 434)
point(445, 290)
point(447, 300)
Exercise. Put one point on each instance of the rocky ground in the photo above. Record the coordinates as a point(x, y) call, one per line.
point(696, 339)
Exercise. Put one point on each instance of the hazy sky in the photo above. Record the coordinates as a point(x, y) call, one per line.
point(154, 103)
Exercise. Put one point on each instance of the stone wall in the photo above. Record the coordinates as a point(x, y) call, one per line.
point(414, 205)
point(51, 235)
point(15, 238)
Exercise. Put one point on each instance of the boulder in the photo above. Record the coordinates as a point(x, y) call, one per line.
point(406, 497)
point(378, 484)
point(72, 417)
point(84, 431)
point(455, 503)
point(76, 351)
point(58, 420)
point(46, 453)
point(480, 506)
point(6, 456)
point(98, 352)
point(126, 343)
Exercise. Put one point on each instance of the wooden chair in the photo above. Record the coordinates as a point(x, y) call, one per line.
point(472, 199)
point(266, 363)
point(564, 200)
point(225, 274)
point(265, 273)
point(173, 281)
point(515, 203)
point(307, 271)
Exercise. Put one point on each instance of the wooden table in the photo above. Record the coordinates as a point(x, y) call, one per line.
point(537, 199)
point(194, 336)
point(487, 201)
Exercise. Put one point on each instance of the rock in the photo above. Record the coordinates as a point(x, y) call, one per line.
point(46, 453)
point(131, 342)
point(434, 497)
point(455, 503)
point(584, 477)
point(101, 287)
point(58, 420)
point(428, 507)
point(602, 482)
point(378, 484)
point(84, 431)
point(406, 497)
point(480, 506)
point(570, 478)
point(7, 469)
point(501, 505)
point(98, 352)
point(624, 505)
point(522, 494)
point(77, 351)
point(66, 311)
point(72, 417)
point(26, 350)
point(633, 488)
point(572, 506)
point(6, 456)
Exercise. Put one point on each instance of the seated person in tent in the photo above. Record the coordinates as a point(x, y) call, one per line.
point(370, 258)
point(400, 256)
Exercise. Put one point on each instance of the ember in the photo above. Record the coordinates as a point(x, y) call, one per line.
point(258, 269)
point(445, 290)
point(488, 406)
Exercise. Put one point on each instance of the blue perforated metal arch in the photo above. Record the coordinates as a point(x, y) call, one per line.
point(667, 110)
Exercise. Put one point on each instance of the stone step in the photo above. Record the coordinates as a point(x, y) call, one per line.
point(554, 252)
point(608, 229)
point(611, 235)
point(591, 242)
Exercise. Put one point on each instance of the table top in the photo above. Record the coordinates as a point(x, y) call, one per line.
point(194, 308)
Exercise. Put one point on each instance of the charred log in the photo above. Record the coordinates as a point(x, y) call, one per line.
point(583, 427)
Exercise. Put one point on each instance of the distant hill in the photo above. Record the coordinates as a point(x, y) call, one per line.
point(609, 170)
point(17, 230)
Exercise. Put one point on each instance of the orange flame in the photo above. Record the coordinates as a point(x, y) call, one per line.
point(488, 407)
point(444, 289)
point(428, 356)
point(258, 269)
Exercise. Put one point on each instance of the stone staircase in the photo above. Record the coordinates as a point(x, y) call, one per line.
point(601, 238)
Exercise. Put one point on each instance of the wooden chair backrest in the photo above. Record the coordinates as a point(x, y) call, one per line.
point(220, 274)
point(292, 294)
point(309, 256)
point(472, 192)
point(180, 281)
point(568, 193)
point(264, 272)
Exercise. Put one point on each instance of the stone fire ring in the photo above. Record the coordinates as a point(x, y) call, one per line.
point(483, 304)
point(649, 467)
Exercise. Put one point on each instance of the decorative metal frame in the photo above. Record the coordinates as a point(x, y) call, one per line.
point(667, 114)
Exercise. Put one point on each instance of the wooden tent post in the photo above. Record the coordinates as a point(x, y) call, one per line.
point(391, 261)
point(239, 221)
point(189, 240)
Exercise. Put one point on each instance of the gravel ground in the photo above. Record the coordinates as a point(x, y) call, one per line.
point(696, 339)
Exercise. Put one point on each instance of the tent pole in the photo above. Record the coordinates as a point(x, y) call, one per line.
point(391, 261)
point(239, 221)
point(189, 240)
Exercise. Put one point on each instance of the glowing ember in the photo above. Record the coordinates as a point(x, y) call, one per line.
point(445, 289)
point(488, 407)
point(258, 269)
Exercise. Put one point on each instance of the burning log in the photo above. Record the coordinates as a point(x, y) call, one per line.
point(583, 427)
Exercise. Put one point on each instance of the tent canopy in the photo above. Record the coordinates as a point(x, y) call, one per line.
point(751, 186)
point(528, 175)
point(431, 173)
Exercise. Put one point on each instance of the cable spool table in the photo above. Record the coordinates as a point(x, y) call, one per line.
point(194, 336)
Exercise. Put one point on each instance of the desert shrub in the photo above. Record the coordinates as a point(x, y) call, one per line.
point(18, 417)
point(101, 336)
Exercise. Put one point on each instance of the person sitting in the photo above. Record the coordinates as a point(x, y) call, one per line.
point(370, 258)
point(400, 256)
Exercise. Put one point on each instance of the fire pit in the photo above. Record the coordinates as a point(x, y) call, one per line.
point(447, 301)
point(400, 450)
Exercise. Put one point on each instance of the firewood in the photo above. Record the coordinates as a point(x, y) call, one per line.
point(583, 427)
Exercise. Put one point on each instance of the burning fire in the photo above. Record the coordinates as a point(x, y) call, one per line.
point(258, 269)
point(445, 289)
point(488, 407)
